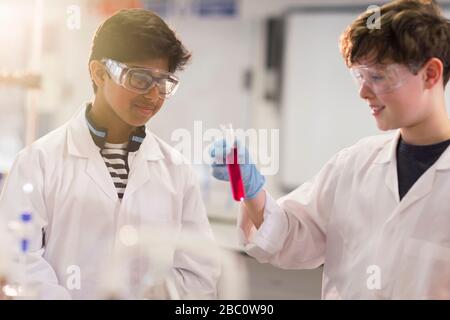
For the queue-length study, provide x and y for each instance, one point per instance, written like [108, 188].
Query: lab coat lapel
[80, 144]
[97, 170]
[391, 180]
[443, 163]
[141, 170]
[387, 159]
[420, 189]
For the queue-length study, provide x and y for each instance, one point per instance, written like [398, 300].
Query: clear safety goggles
[381, 78]
[142, 80]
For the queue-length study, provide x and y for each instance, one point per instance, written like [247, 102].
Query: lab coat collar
[422, 187]
[81, 144]
[100, 135]
[388, 152]
[443, 163]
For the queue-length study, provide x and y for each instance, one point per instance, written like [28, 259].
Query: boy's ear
[433, 72]
[98, 72]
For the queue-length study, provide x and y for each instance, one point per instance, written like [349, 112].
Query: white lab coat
[76, 203]
[349, 218]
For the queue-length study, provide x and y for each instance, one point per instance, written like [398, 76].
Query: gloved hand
[252, 179]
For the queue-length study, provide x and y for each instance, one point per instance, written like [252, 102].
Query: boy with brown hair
[378, 213]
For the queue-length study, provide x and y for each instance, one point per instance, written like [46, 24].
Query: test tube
[234, 171]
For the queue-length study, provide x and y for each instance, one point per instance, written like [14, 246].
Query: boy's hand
[252, 179]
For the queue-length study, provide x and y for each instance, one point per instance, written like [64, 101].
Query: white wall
[321, 110]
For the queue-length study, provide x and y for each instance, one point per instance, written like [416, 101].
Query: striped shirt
[115, 157]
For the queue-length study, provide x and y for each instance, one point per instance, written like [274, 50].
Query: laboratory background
[269, 66]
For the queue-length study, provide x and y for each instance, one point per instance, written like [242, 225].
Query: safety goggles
[381, 79]
[142, 80]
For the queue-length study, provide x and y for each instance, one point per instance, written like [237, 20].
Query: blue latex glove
[252, 179]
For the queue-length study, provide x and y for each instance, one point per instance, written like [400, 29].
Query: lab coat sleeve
[293, 234]
[28, 168]
[197, 269]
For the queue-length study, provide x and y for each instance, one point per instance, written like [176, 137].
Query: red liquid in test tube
[234, 171]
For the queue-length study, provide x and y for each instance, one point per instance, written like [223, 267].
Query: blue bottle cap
[25, 216]
[24, 245]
